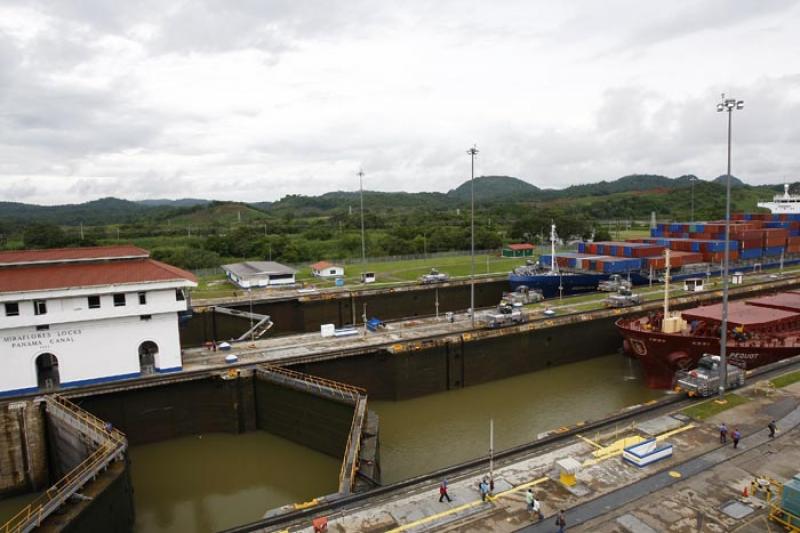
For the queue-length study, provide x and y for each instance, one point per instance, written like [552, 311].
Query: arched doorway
[47, 371]
[147, 357]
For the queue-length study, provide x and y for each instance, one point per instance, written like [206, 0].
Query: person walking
[529, 499]
[443, 491]
[561, 521]
[483, 487]
[772, 429]
[736, 435]
[536, 508]
[723, 433]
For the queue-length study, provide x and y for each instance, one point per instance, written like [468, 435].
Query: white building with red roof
[325, 269]
[78, 316]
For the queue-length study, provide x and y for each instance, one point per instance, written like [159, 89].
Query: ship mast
[552, 248]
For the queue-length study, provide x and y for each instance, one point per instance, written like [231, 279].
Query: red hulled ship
[760, 331]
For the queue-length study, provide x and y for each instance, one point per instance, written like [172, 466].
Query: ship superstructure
[783, 203]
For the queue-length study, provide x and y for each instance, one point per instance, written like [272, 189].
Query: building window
[179, 296]
[142, 298]
[39, 307]
[332, 272]
[94, 302]
[145, 317]
[12, 309]
[42, 327]
[119, 299]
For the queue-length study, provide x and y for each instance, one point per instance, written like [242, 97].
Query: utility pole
[727, 104]
[472, 153]
[361, 189]
[81, 230]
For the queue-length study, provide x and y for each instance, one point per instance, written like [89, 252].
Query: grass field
[709, 408]
[786, 379]
[216, 286]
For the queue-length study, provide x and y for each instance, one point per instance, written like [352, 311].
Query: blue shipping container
[773, 251]
[750, 253]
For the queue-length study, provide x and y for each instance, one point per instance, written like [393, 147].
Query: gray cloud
[213, 98]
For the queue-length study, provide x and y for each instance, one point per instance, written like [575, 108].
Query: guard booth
[737, 278]
[368, 277]
[693, 285]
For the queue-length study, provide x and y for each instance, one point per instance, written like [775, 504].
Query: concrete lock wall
[294, 316]
[109, 507]
[23, 448]
[441, 366]
[186, 408]
[226, 406]
[320, 423]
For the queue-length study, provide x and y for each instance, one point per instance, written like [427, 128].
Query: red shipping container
[750, 244]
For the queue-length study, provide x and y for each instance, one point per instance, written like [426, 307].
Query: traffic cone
[744, 492]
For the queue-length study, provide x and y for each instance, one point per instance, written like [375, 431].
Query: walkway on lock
[599, 506]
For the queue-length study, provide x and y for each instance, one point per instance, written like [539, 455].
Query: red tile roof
[523, 246]
[322, 264]
[71, 254]
[75, 275]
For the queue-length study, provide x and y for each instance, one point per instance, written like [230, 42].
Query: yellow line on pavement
[460, 508]
[590, 441]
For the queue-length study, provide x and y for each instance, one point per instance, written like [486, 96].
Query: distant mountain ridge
[488, 190]
[181, 202]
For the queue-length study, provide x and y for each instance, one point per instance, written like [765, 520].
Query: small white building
[324, 269]
[79, 316]
[252, 274]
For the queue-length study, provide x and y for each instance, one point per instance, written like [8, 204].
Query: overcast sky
[255, 99]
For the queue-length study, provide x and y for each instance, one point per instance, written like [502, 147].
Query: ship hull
[662, 354]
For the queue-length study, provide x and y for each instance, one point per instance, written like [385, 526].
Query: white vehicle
[523, 295]
[506, 315]
[704, 380]
[434, 277]
[623, 298]
[614, 283]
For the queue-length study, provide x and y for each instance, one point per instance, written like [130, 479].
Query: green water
[9, 507]
[439, 430]
[217, 481]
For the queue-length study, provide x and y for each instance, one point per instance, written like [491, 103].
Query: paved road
[599, 506]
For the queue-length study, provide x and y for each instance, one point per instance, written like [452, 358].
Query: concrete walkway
[630, 493]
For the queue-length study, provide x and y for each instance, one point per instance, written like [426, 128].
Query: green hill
[216, 214]
[494, 188]
[102, 211]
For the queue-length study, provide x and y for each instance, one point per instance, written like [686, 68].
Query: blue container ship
[582, 272]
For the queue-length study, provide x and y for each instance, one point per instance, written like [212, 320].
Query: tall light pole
[472, 153]
[361, 189]
[727, 104]
[692, 179]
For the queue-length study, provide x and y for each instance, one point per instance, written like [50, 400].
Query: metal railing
[111, 444]
[348, 393]
[347, 472]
